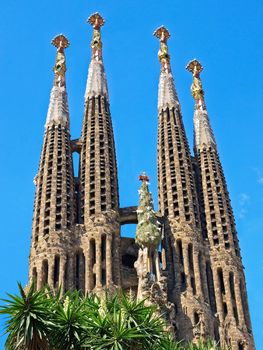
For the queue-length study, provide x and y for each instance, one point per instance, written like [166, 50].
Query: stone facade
[197, 277]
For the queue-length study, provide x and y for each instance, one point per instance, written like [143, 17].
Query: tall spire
[58, 106]
[167, 95]
[178, 204]
[203, 130]
[98, 179]
[54, 207]
[196, 68]
[219, 227]
[96, 83]
[61, 43]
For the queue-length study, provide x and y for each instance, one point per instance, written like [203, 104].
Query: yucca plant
[42, 320]
[27, 319]
[205, 345]
[67, 322]
[122, 323]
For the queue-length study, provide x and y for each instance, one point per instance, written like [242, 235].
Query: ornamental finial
[97, 21]
[61, 43]
[196, 68]
[144, 177]
[163, 35]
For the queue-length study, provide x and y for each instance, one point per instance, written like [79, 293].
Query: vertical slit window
[44, 272]
[211, 290]
[56, 271]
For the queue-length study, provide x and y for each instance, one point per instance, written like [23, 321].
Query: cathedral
[185, 257]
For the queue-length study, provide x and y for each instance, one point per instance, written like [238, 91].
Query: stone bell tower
[185, 253]
[75, 237]
[98, 185]
[54, 207]
[230, 297]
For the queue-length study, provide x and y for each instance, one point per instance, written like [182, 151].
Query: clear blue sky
[226, 36]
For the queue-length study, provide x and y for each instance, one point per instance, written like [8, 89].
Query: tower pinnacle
[196, 68]
[58, 105]
[61, 43]
[167, 96]
[97, 22]
[96, 83]
[203, 131]
[163, 35]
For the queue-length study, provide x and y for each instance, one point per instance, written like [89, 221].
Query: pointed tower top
[163, 35]
[61, 43]
[196, 68]
[58, 105]
[167, 96]
[96, 83]
[96, 21]
[203, 131]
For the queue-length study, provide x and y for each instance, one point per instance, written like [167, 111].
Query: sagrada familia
[186, 257]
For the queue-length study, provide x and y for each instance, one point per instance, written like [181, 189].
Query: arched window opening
[225, 309]
[128, 260]
[190, 257]
[221, 280]
[93, 252]
[103, 277]
[77, 272]
[153, 267]
[216, 334]
[44, 279]
[193, 285]
[180, 252]
[80, 271]
[233, 296]
[183, 282]
[196, 318]
[210, 285]
[66, 275]
[241, 345]
[56, 271]
[103, 247]
[202, 275]
[34, 275]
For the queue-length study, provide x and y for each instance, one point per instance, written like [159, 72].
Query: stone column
[187, 267]
[98, 262]
[108, 260]
[197, 275]
[50, 279]
[62, 272]
[218, 295]
[116, 260]
[39, 277]
[240, 311]
[228, 294]
[204, 278]
[71, 271]
[157, 266]
[88, 269]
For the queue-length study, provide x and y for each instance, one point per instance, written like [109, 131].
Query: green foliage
[27, 317]
[41, 320]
